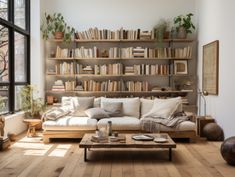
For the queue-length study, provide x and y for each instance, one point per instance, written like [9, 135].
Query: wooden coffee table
[129, 143]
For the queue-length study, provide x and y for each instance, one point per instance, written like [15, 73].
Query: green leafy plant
[160, 29]
[32, 106]
[184, 21]
[51, 24]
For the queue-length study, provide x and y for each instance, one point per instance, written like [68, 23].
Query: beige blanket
[150, 124]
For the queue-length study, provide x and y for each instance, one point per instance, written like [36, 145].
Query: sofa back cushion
[81, 104]
[147, 104]
[130, 106]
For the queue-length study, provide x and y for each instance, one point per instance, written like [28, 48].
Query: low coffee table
[129, 143]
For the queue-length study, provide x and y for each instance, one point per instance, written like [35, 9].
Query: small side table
[201, 121]
[32, 123]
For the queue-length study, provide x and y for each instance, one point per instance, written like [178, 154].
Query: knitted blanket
[150, 124]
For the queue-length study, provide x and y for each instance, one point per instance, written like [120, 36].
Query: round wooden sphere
[213, 132]
[227, 150]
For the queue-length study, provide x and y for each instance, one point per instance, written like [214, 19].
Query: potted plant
[184, 25]
[55, 25]
[161, 30]
[32, 106]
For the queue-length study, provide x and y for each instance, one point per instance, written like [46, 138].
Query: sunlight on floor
[35, 147]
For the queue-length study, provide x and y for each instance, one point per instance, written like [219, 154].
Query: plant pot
[59, 35]
[166, 35]
[181, 33]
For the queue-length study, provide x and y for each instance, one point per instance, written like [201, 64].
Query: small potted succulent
[55, 25]
[184, 25]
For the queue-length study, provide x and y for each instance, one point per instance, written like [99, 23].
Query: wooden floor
[30, 157]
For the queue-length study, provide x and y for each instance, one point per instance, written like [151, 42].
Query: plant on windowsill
[56, 26]
[33, 107]
[184, 25]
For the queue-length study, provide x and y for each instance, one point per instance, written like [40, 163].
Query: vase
[59, 35]
[181, 33]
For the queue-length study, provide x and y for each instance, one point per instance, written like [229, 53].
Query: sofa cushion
[81, 104]
[114, 109]
[145, 106]
[131, 106]
[96, 113]
[121, 123]
[70, 123]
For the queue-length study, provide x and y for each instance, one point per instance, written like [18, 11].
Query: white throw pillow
[164, 108]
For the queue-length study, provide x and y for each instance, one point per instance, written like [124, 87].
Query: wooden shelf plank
[119, 92]
[100, 58]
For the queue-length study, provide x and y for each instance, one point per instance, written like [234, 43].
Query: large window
[14, 52]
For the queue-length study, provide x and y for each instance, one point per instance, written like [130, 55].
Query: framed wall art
[210, 69]
[180, 67]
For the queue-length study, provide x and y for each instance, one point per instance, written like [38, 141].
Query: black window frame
[12, 28]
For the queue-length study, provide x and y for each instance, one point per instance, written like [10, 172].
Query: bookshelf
[131, 62]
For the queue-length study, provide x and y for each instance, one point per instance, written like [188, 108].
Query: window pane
[3, 54]
[4, 99]
[18, 98]
[20, 13]
[20, 43]
[4, 9]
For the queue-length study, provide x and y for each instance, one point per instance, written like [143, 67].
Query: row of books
[65, 68]
[64, 52]
[146, 69]
[112, 86]
[101, 34]
[69, 68]
[128, 52]
[59, 85]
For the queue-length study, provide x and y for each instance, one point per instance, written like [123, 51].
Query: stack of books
[146, 35]
[129, 70]
[139, 52]
[58, 86]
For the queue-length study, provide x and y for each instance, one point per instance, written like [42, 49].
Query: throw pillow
[164, 108]
[56, 113]
[114, 109]
[96, 113]
[81, 104]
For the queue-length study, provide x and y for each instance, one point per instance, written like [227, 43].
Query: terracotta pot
[181, 33]
[59, 35]
[166, 35]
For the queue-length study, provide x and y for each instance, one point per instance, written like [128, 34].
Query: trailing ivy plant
[184, 21]
[56, 23]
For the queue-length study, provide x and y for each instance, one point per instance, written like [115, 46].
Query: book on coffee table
[143, 137]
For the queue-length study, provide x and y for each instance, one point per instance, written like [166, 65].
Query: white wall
[37, 61]
[216, 22]
[113, 14]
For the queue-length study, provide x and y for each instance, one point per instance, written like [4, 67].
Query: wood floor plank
[30, 157]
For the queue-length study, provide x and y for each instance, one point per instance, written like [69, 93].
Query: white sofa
[133, 110]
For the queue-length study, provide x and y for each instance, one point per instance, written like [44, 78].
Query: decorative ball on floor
[227, 150]
[213, 132]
